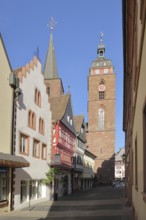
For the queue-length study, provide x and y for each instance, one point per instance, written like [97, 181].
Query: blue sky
[23, 25]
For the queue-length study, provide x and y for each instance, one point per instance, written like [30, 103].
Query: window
[101, 119]
[41, 126]
[23, 193]
[37, 97]
[82, 130]
[36, 148]
[101, 89]
[48, 91]
[31, 120]
[101, 82]
[39, 189]
[68, 118]
[24, 144]
[44, 151]
[101, 94]
[70, 121]
[105, 70]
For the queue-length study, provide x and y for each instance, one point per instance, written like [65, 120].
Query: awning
[13, 161]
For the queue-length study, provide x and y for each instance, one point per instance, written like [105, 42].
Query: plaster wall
[26, 101]
[6, 102]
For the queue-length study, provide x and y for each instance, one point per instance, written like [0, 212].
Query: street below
[101, 203]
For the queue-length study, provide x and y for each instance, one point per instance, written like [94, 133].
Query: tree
[50, 176]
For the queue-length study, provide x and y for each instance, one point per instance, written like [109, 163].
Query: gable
[68, 118]
[6, 100]
[4, 60]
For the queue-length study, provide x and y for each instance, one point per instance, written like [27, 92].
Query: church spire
[101, 47]
[50, 68]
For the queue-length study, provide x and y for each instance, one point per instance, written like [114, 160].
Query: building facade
[101, 115]
[134, 124]
[78, 159]
[63, 128]
[88, 180]
[32, 136]
[120, 164]
[8, 161]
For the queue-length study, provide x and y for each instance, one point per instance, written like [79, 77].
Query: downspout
[10, 188]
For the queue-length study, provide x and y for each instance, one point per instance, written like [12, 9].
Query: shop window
[39, 189]
[32, 189]
[23, 193]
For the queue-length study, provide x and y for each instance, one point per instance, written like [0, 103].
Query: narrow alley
[101, 203]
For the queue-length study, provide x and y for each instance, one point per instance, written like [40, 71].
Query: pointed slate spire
[50, 68]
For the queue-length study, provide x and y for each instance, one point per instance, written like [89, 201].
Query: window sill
[23, 153]
[37, 157]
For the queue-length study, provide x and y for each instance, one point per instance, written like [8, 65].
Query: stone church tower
[101, 115]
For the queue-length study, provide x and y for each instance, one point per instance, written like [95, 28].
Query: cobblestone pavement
[101, 203]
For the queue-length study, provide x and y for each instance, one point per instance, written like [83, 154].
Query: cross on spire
[101, 37]
[52, 24]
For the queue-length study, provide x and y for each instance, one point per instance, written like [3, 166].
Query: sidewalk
[101, 203]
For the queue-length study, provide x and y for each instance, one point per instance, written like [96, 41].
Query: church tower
[101, 114]
[52, 81]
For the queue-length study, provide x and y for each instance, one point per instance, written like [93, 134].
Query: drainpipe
[14, 83]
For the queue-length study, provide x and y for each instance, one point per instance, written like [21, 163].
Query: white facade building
[120, 164]
[32, 136]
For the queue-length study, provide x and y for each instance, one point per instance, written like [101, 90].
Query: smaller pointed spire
[101, 47]
[50, 68]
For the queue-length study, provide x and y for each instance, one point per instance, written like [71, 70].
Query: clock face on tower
[101, 88]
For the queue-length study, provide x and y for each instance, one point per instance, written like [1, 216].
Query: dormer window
[70, 121]
[68, 118]
[82, 129]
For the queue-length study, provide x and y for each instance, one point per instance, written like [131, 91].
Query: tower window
[101, 119]
[101, 53]
[101, 94]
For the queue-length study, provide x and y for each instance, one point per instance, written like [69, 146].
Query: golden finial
[52, 24]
